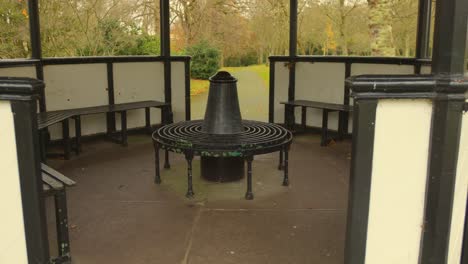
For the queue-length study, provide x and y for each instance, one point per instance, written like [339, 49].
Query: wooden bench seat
[54, 184]
[326, 109]
[47, 119]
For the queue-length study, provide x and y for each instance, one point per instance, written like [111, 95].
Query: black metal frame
[360, 180]
[23, 99]
[444, 149]
[448, 67]
[446, 87]
[424, 29]
[55, 185]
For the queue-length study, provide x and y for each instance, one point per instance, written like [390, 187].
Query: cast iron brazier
[223, 138]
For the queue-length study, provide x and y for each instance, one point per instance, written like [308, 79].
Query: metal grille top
[257, 138]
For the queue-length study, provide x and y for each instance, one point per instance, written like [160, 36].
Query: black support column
[166, 54]
[445, 89]
[289, 111]
[23, 94]
[448, 68]
[450, 38]
[423, 29]
[360, 182]
[36, 48]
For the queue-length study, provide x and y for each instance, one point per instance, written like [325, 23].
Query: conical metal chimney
[222, 115]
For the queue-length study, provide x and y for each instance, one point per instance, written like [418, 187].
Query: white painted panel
[139, 81]
[12, 234]
[28, 71]
[281, 90]
[74, 86]
[459, 204]
[426, 69]
[178, 90]
[398, 181]
[321, 82]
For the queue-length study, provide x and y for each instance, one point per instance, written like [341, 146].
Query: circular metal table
[257, 138]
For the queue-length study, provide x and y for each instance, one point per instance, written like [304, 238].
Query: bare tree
[381, 30]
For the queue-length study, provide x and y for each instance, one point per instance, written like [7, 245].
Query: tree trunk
[260, 56]
[342, 29]
[380, 28]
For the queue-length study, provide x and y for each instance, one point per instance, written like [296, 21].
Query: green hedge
[205, 60]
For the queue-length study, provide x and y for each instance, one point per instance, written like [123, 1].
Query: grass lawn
[201, 86]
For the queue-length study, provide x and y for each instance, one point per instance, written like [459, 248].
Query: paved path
[253, 97]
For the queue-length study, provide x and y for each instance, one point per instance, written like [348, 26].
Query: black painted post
[66, 138]
[36, 47]
[424, 29]
[360, 182]
[271, 101]
[343, 121]
[77, 134]
[324, 137]
[110, 117]
[123, 122]
[21, 95]
[445, 89]
[448, 68]
[166, 53]
[148, 120]
[289, 110]
[188, 109]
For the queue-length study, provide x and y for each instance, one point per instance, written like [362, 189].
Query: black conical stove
[222, 117]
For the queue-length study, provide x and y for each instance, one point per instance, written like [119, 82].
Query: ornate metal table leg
[189, 158]
[249, 194]
[286, 166]
[157, 179]
[166, 160]
[280, 165]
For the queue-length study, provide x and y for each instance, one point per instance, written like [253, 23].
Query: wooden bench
[54, 184]
[47, 119]
[326, 109]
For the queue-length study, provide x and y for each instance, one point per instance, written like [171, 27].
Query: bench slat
[137, 105]
[47, 119]
[57, 175]
[320, 105]
[117, 107]
[53, 183]
[45, 187]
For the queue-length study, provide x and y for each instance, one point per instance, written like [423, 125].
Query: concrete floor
[117, 215]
